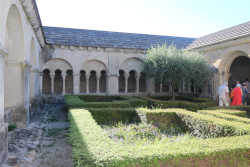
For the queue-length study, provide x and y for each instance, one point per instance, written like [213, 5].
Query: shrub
[12, 127]
[135, 102]
[114, 115]
[75, 101]
[98, 98]
[191, 104]
[206, 126]
[224, 115]
[241, 108]
[161, 118]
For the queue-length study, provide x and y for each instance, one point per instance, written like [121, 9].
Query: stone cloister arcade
[58, 77]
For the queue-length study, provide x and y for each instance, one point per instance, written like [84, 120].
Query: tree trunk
[173, 95]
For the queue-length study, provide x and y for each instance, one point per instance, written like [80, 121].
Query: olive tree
[170, 65]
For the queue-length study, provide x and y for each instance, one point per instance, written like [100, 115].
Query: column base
[3, 143]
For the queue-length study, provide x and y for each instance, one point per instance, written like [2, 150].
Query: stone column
[150, 86]
[161, 87]
[98, 83]
[170, 87]
[3, 53]
[52, 76]
[126, 82]
[3, 126]
[26, 70]
[41, 83]
[113, 82]
[76, 82]
[137, 82]
[87, 82]
[189, 88]
[180, 88]
[183, 86]
[64, 77]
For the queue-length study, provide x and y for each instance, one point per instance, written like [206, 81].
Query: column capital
[98, 76]
[126, 76]
[138, 76]
[87, 76]
[63, 75]
[52, 74]
[3, 52]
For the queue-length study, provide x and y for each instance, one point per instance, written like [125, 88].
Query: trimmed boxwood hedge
[188, 103]
[225, 115]
[238, 113]
[161, 118]
[114, 115]
[240, 107]
[92, 147]
[98, 101]
[206, 126]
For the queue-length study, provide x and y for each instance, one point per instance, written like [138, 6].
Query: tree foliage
[169, 65]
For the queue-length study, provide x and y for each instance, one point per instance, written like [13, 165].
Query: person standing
[223, 95]
[237, 100]
[245, 92]
[248, 84]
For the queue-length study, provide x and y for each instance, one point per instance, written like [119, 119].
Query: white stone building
[38, 61]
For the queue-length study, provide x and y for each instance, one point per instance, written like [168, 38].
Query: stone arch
[228, 59]
[15, 87]
[142, 82]
[57, 64]
[239, 70]
[58, 82]
[46, 89]
[5, 8]
[132, 81]
[93, 65]
[121, 81]
[103, 81]
[69, 82]
[132, 64]
[92, 81]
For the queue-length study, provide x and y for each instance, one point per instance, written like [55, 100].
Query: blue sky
[187, 18]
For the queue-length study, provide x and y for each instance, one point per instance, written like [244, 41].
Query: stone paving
[22, 145]
[35, 146]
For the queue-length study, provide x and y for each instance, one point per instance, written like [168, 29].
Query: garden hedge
[190, 103]
[161, 118]
[226, 114]
[237, 107]
[207, 126]
[92, 147]
[98, 101]
[114, 115]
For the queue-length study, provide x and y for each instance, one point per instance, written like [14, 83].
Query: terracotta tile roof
[93, 38]
[231, 33]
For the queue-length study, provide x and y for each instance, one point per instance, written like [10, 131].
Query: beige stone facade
[31, 68]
